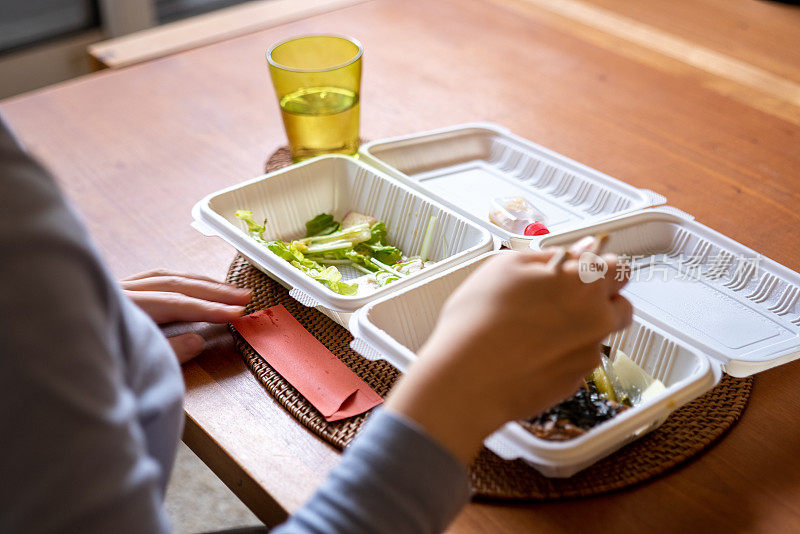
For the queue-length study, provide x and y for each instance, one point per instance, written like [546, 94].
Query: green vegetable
[384, 278]
[384, 253]
[376, 245]
[341, 239]
[326, 249]
[602, 383]
[378, 233]
[327, 244]
[256, 230]
[322, 224]
[387, 268]
[426, 241]
[331, 277]
[286, 251]
[362, 260]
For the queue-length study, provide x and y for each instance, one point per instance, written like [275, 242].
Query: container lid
[716, 295]
[471, 166]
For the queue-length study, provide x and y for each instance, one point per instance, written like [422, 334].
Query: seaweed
[587, 408]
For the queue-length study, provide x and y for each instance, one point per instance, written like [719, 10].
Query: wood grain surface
[136, 148]
[205, 29]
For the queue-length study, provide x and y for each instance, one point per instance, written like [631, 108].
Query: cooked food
[359, 241]
[612, 388]
[574, 416]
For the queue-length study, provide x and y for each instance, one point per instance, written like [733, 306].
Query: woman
[91, 406]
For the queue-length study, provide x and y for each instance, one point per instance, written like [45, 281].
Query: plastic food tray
[712, 306]
[455, 172]
[289, 197]
[465, 167]
[740, 313]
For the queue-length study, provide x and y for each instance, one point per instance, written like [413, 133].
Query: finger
[582, 245]
[510, 259]
[616, 273]
[619, 273]
[621, 312]
[590, 270]
[557, 260]
[192, 287]
[540, 256]
[585, 359]
[166, 272]
[187, 346]
[569, 269]
[165, 307]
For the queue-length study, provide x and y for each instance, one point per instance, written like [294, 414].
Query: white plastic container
[454, 172]
[466, 167]
[289, 197]
[685, 333]
[740, 318]
[714, 294]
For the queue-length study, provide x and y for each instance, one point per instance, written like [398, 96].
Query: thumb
[538, 256]
[187, 346]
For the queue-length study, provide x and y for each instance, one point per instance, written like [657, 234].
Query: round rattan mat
[686, 432]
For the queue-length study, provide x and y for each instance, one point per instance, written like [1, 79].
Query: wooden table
[698, 100]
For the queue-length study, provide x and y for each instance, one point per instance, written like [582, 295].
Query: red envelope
[322, 378]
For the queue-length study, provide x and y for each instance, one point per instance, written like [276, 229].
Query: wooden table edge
[235, 477]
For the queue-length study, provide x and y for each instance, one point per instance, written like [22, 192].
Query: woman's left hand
[171, 297]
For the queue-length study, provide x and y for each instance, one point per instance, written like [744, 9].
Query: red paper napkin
[322, 378]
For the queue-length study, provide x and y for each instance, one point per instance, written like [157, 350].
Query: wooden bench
[205, 29]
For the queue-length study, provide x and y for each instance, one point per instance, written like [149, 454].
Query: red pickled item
[536, 228]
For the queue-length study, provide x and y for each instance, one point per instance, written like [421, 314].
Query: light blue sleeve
[90, 399]
[90, 394]
[393, 479]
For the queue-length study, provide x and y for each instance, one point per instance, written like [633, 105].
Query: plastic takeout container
[466, 167]
[716, 295]
[740, 317]
[335, 184]
[453, 173]
[740, 314]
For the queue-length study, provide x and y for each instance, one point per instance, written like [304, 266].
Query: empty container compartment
[467, 167]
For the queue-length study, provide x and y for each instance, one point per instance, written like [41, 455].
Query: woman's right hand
[514, 339]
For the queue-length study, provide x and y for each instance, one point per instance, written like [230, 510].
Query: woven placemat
[282, 157]
[686, 432]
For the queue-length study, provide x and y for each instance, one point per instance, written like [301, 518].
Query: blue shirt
[91, 398]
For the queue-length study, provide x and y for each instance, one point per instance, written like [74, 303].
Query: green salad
[358, 241]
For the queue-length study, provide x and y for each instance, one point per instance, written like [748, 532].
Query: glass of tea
[317, 80]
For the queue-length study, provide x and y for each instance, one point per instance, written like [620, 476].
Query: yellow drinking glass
[317, 79]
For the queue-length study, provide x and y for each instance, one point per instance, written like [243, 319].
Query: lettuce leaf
[286, 251]
[361, 259]
[255, 230]
[346, 238]
[377, 233]
[330, 276]
[375, 246]
[383, 278]
[383, 253]
[322, 224]
[327, 241]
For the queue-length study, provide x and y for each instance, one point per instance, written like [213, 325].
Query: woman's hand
[169, 297]
[514, 339]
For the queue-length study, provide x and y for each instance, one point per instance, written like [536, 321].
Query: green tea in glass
[317, 80]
